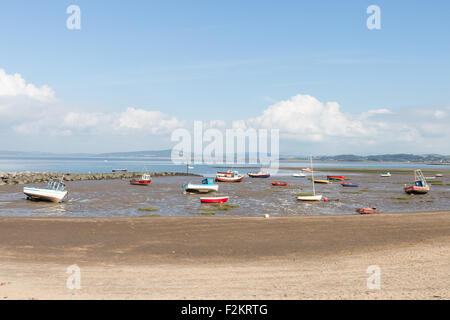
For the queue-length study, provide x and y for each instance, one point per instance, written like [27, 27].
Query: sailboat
[314, 197]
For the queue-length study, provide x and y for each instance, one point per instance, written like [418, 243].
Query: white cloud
[13, 85]
[148, 120]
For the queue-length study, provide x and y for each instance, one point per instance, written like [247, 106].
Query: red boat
[236, 178]
[229, 173]
[259, 175]
[279, 183]
[420, 185]
[145, 180]
[214, 199]
[340, 178]
[367, 210]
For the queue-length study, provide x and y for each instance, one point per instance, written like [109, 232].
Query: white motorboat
[387, 174]
[54, 192]
[312, 197]
[299, 175]
[206, 186]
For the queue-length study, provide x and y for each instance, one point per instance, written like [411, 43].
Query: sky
[138, 70]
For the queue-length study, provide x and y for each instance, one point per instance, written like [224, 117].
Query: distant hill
[138, 154]
[401, 157]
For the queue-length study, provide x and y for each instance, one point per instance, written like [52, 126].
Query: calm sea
[102, 165]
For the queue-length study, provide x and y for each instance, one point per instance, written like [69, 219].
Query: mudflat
[227, 257]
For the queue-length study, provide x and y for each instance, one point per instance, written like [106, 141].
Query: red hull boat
[366, 210]
[239, 178]
[279, 183]
[340, 178]
[145, 180]
[259, 175]
[214, 199]
[420, 185]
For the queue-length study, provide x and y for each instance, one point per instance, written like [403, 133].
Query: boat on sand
[312, 197]
[206, 186]
[321, 181]
[337, 178]
[366, 210]
[420, 185]
[260, 174]
[222, 199]
[234, 177]
[387, 174]
[299, 175]
[145, 180]
[279, 183]
[349, 184]
[54, 192]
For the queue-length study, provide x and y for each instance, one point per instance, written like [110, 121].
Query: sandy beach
[317, 257]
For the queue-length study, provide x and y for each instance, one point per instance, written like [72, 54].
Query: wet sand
[323, 257]
[253, 197]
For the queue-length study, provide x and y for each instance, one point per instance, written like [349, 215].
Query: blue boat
[349, 184]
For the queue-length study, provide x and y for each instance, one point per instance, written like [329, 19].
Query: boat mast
[312, 175]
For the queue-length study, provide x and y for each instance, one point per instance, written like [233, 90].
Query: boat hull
[229, 179]
[366, 210]
[298, 175]
[258, 175]
[321, 181]
[338, 178]
[139, 182]
[279, 183]
[310, 198]
[349, 185]
[43, 194]
[417, 190]
[214, 199]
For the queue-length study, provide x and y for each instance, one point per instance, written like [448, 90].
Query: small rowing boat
[366, 210]
[279, 183]
[337, 178]
[321, 181]
[349, 184]
[260, 174]
[145, 180]
[214, 199]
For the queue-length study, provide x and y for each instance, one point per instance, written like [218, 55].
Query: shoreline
[227, 258]
[21, 178]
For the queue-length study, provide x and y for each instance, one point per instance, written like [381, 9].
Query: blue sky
[230, 60]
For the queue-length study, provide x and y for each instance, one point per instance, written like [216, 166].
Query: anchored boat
[349, 184]
[279, 183]
[214, 199]
[387, 174]
[313, 197]
[337, 178]
[206, 186]
[233, 177]
[299, 175]
[366, 210]
[259, 174]
[145, 180]
[54, 192]
[420, 185]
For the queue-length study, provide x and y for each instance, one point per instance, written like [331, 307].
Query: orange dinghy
[279, 183]
[214, 199]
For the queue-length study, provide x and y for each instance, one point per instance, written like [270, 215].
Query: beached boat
[312, 197]
[206, 186]
[54, 192]
[349, 184]
[234, 177]
[387, 174]
[439, 175]
[306, 169]
[214, 199]
[279, 183]
[337, 178]
[119, 170]
[366, 210]
[321, 181]
[420, 185]
[259, 174]
[299, 175]
[145, 180]
[228, 173]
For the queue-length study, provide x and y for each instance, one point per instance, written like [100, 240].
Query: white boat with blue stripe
[54, 192]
